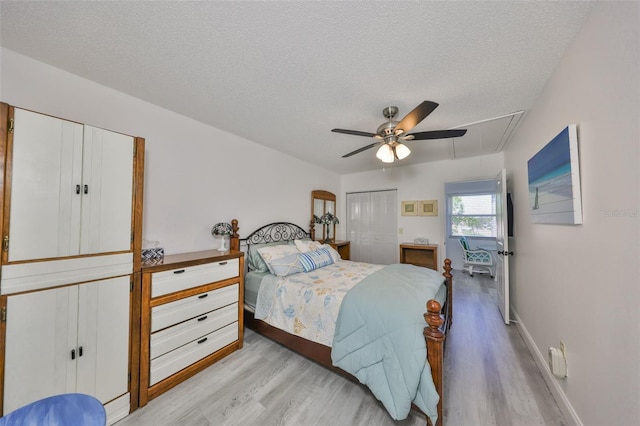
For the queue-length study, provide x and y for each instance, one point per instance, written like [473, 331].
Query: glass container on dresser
[71, 228]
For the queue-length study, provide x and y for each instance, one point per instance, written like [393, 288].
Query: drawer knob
[178, 272]
[202, 296]
[202, 318]
[222, 263]
[202, 340]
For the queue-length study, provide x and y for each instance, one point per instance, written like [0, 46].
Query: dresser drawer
[173, 337]
[174, 361]
[166, 315]
[193, 276]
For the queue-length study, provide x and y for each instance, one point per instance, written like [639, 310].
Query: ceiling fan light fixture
[385, 153]
[402, 151]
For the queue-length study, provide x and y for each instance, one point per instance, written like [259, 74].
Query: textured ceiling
[283, 74]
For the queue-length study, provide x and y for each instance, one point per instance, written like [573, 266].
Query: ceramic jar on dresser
[191, 316]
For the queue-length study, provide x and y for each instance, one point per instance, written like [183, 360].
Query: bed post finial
[235, 238]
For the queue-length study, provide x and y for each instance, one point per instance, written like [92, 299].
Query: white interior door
[372, 219]
[41, 333]
[103, 335]
[502, 245]
[107, 177]
[46, 169]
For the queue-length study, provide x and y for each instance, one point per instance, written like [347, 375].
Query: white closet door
[103, 335]
[384, 241]
[46, 167]
[41, 333]
[358, 224]
[372, 226]
[107, 181]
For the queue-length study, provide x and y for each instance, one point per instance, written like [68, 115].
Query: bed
[284, 263]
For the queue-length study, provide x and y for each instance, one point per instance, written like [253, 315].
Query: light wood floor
[490, 379]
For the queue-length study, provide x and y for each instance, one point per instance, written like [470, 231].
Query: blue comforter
[379, 339]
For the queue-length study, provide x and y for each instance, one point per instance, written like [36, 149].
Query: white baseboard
[565, 406]
[118, 409]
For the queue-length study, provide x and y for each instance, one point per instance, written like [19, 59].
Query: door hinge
[3, 315]
[132, 236]
[131, 284]
[129, 378]
[11, 122]
[5, 243]
[135, 149]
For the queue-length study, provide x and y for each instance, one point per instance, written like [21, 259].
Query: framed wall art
[554, 181]
[428, 208]
[409, 208]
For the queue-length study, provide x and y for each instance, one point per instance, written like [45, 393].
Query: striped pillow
[312, 260]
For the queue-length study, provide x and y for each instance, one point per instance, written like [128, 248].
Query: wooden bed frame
[438, 318]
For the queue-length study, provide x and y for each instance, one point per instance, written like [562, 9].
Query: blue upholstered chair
[479, 260]
[71, 409]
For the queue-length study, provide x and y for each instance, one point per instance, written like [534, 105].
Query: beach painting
[554, 181]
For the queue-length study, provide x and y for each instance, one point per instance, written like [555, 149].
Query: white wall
[580, 284]
[421, 182]
[195, 175]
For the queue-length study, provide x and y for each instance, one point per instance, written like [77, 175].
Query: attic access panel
[486, 136]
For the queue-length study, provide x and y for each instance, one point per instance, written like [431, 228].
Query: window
[472, 215]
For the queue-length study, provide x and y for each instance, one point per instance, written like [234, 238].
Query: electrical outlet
[400, 230]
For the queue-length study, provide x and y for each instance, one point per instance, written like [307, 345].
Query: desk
[425, 255]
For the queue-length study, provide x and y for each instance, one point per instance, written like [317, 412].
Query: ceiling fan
[391, 134]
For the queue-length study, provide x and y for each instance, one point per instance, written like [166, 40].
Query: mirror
[322, 202]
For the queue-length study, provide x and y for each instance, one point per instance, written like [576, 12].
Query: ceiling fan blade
[354, 132]
[412, 119]
[364, 148]
[439, 134]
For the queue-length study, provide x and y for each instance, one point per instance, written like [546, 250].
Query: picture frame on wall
[428, 208]
[554, 181]
[409, 208]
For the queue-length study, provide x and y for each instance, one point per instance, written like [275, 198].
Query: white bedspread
[307, 304]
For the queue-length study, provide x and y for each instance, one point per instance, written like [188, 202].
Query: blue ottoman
[71, 409]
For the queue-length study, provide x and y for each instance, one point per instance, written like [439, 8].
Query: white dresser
[191, 316]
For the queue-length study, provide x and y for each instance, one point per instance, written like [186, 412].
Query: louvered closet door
[46, 163]
[107, 181]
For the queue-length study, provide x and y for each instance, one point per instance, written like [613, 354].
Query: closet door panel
[103, 335]
[107, 181]
[40, 334]
[386, 225]
[372, 226]
[358, 220]
[46, 163]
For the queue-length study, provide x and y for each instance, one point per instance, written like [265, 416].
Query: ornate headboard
[274, 232]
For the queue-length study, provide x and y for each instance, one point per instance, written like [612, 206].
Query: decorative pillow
[255, 261]
[312, 260]
[286, 266]
[271, 253]
[333, 252]
[307, 245]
